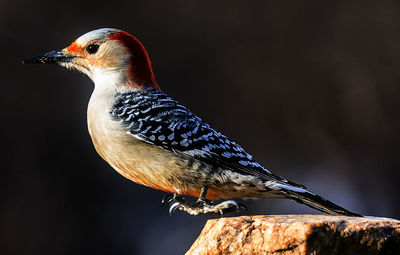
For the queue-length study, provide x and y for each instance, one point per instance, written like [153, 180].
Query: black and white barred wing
[157, 119]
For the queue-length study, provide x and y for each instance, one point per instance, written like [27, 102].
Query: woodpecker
[153, 140]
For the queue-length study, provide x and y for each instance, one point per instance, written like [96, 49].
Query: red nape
[140, 70]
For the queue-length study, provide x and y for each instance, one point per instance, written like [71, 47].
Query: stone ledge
[298, 234]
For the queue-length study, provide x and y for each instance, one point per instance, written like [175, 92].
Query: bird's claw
[200, 206]
[173, 207]
[166, 200]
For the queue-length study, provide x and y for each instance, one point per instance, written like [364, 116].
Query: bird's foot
[200, 206]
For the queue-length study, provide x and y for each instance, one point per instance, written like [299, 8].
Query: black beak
[48, 58]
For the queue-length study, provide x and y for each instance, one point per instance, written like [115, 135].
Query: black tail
[317, 202]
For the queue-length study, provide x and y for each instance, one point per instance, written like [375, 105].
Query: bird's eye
[92, 48]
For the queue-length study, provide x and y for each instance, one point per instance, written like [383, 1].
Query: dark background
[310, 88]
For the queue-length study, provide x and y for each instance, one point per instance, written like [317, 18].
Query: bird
[153, 140]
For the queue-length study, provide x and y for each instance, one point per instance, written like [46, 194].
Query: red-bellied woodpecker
[153, 140]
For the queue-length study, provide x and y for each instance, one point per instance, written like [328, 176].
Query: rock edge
[298, 234]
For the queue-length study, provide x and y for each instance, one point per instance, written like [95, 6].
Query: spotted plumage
[158, 119]
[154, 117]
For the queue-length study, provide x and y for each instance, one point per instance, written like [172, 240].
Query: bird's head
[105, 55]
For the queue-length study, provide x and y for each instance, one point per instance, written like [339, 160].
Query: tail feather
[317, 202]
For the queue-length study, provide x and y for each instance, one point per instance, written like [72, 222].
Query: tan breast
[135, 159]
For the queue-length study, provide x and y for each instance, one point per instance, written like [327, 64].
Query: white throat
[108, 80]
[106, 84]
[107, 77]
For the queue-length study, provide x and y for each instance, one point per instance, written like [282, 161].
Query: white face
[95, 54]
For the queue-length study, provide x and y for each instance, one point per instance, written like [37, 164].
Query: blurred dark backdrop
[310, 88]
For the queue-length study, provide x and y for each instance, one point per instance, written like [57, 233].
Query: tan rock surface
[298, 234]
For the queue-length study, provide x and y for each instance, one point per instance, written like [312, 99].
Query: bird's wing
[154, 117]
